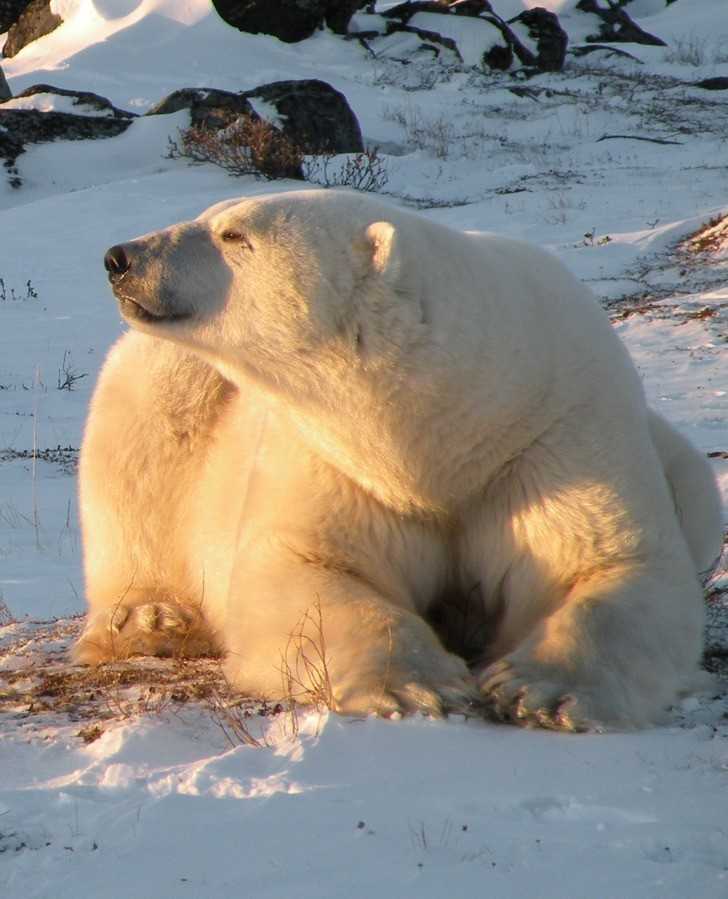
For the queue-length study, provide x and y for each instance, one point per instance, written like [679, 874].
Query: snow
[45, 102]
[117, 786]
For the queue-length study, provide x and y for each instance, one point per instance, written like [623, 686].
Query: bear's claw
[510, 696]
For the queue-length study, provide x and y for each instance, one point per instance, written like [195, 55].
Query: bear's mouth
[133, 310]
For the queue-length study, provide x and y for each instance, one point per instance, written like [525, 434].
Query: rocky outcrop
[93, 117]
[35, 21]
[5, 93]
[533, 39]
[541, 29]
[10, 11]
[209, 108]
[719, 83]
[614, 26]
[311, 113]
[288, 20]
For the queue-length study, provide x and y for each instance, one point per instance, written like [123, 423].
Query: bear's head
[271, 288]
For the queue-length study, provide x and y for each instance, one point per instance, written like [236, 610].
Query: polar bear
[357, 452]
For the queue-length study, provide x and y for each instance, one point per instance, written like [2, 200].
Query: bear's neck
[420, 445]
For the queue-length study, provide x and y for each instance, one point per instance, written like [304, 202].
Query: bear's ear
[382, 249]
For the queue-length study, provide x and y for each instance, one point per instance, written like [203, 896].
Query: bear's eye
[230, 234]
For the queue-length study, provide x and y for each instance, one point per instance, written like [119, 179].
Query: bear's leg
[602, 613]
[694, 491]
[309, 629]
[140, 625]
[614, 654]
[142, 454]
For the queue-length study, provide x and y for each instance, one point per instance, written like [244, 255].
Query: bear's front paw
[151, 628]
[532, 695]
[401, 695]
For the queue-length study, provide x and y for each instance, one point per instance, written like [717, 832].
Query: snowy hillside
[141, 780]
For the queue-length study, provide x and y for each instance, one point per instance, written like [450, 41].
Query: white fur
[368, 422]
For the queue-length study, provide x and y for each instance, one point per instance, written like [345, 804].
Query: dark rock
[10, 11]
[500, 57]
[609, 52]
[470, 7]
[313, 115]
[35, 21]
[403, 12]
[551, 39]
[615, 26]
[310, 113]
[288, 20]
[540, 25]
[81, 98]
[5, 93]
[209, 108]
[31, 126]
[720, 83]
[339, 13]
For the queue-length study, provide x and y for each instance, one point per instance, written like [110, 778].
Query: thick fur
[336, 426]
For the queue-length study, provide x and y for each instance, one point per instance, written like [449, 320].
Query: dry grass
[712, 237]
[305, 677]
[6, 616]
[255, 147]
[37, 680]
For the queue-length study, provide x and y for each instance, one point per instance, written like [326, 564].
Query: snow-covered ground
[140, 782]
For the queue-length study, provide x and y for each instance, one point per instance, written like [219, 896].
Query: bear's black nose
[116, 261]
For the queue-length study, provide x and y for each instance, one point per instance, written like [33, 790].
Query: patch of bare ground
[712, 237]
[38, 682]
[685, 283]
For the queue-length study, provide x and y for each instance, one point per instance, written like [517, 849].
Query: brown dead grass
[712, 237]
[37, 681]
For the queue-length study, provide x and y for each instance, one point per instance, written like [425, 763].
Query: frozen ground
[141, 781]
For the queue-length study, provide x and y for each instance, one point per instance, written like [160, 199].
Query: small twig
[651, 140]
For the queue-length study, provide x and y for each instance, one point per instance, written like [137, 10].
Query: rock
[35, 21]
[339, 13]
[5, 93]
[719, 83]
[10, 11]
[95, 102]
[486, 40]
[312, 114]
[542, 28]
[403, 12]
[288, 20]
[608, 51]
[615, 26]
[19, 126]
[209, 108]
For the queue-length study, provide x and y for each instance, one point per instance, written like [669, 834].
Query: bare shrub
[255, 147]
[304, 667]
[432, 134]
[6, 616]
[365, 171]
[68, 375]
[246, 147]
[9, 293]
